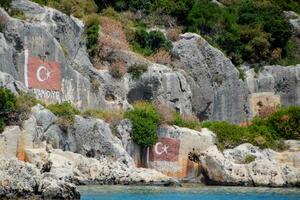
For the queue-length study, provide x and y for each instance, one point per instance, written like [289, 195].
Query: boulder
[93, 138]
[249, 165]
[218, 93]
[57, 189]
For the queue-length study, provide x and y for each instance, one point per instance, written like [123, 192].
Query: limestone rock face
[162, 84]
[265, 168]
[48, 36]
[282, 81]
[93, 138]
[218, 93]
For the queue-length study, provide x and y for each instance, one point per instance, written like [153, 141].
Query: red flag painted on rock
[40, 74]
[166, 149]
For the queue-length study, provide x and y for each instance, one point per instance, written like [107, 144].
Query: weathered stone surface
[283, 81]
[18, 178]
[57, 189]
[164, 85]
[218, 93]
[43, 37]
[263, 102]
[93, 138]
[8, 82]
[180, 142]
[75, 168]
[9, 142]
[233, 167]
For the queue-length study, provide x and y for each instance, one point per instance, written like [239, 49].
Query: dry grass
[161, 57]
[167, 114]
[118, 69]
[112, 117]
[173, 34]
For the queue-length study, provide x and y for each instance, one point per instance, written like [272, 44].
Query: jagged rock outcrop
[251, 166]
[218, 93]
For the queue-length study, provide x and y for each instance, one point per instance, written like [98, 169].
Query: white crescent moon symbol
[38, 73]
[156, 149]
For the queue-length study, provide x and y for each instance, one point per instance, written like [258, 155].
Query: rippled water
[189, 192]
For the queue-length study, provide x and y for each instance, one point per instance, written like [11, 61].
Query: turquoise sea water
[187, 193]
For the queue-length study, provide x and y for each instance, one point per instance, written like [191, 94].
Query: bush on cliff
[145, 120]
[149, 43]
[15, 109]
[92, 32]
[66, 113]
[7, 106]
[286, 122]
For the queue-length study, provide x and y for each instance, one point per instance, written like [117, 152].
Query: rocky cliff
[46, 54]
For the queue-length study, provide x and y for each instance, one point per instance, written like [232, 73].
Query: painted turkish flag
[41, 74]
[166, 149]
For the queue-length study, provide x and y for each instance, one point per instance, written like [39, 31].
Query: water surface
[188, 192]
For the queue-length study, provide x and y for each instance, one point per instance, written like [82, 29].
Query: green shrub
[249, 159]
[7, 102]
[149, 43]
[2, 125]
[22, 109]
[285, 122]
[137, 70]
[145, 120]
[92, 34]
[66, 113]
[229, 135]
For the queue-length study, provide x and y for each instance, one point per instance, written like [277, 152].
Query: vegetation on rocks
[137, 70]
[148, 43]
[5, 4]
[15, 109]
[249, 159]
[66, 113]
[265, 132]
[145, 120]
[7, 105]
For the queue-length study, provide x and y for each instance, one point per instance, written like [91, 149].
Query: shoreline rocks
[247, 165]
